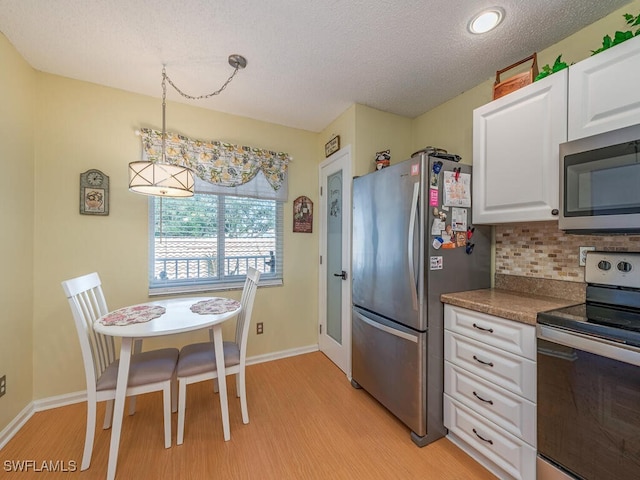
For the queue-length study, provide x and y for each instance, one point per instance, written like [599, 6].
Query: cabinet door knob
[555, 212]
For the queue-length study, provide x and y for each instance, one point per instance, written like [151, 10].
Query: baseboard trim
[15, 425]
[281, 354]
[76, 397]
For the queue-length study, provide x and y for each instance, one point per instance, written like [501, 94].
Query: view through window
[208, 241]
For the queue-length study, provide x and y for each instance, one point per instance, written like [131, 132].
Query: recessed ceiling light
[486, 20]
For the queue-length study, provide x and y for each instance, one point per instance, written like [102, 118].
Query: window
[207, 242]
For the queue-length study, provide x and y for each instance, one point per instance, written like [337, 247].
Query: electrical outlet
[3, 385]
[583, 255]
[259, 328]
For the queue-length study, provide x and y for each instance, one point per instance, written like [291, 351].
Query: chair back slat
[87, 304]
[244, 317]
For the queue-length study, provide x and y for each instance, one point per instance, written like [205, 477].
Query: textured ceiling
[308, 61]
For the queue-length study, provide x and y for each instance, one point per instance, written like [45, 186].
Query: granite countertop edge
[513, 305]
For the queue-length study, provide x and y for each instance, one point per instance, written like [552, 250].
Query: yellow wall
[450, 125]
[17, 90]
[368, 131]
[82, 126]
[580, 45]
[345, 127]
[377, 131]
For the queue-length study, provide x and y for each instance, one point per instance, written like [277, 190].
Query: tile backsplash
[540, 250]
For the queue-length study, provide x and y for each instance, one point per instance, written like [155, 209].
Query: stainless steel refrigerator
[413, 239]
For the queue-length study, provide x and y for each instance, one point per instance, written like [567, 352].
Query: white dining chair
[149, 372]
[197, 361]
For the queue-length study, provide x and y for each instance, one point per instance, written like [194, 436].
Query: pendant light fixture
[161, 178]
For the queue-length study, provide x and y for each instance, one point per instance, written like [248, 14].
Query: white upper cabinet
[604, 91]
[515, 153]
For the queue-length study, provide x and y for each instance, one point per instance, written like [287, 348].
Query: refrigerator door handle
[412, 229]
[389, 330]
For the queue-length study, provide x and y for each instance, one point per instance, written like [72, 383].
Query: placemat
[215, 306]
[130, 315]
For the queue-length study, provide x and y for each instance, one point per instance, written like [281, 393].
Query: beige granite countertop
[521, 307]
[518, 298]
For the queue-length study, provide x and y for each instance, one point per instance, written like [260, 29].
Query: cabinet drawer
[509, 335]
[515, 373]
[507, 451]
[508, 410]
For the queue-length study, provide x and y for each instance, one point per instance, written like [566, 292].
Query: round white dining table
[178, 318]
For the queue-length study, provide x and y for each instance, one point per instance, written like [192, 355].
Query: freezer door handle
[342, 275]
[412, 230]
[389, 330]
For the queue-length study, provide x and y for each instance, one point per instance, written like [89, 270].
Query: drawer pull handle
[490, 330]
[490, 402]
[490, 442]
[482, 361]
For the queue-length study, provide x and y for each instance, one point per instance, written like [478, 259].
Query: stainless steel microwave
[600, 183]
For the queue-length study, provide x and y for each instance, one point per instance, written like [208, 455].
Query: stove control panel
[620, 269]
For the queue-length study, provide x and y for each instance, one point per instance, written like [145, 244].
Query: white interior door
[335, 259]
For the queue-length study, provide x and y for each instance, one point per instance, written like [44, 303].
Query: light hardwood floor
[306, 422]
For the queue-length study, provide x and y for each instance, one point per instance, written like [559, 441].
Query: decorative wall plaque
[303, 215]
[332, 146]
[94, 193]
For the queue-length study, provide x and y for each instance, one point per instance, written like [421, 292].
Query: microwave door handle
[410, 244]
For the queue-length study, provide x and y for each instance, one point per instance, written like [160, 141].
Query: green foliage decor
[547, 70]
[607, 42]
[619, 37]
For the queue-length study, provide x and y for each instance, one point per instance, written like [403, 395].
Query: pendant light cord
[164, 108]
[201, 97]
[236, 61]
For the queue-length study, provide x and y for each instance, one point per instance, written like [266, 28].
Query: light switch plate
[583, 255]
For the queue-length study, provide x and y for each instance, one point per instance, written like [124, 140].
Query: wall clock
[94, 193]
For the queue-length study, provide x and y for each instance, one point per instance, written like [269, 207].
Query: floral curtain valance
[215, 162]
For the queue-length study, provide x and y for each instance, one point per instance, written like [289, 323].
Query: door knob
[342, 275]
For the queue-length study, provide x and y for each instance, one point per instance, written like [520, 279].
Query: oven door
[588, 406]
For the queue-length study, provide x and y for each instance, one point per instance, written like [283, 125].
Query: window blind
[208, 241]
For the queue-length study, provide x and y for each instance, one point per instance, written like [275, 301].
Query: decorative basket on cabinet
[501, 88]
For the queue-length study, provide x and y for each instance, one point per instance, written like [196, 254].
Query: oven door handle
[597, 346]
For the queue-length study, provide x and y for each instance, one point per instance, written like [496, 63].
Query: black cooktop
[612, 323]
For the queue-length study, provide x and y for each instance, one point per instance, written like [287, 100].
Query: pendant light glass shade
[161, 179]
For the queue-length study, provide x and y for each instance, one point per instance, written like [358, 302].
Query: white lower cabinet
[516, 457]
[506, 409]
[490, 391]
